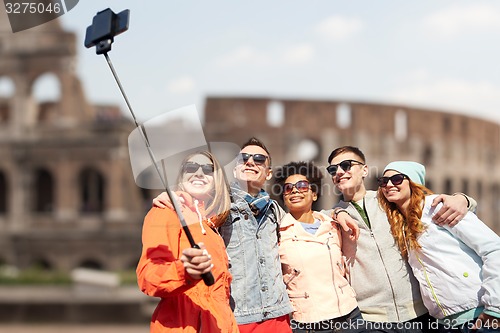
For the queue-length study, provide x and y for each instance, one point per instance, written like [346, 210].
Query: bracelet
[338, 211]
[466, 198]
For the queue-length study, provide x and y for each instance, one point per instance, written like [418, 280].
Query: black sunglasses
[396, 179]
[257, 158]
[192, 167]
[301, 186]
[345, 165]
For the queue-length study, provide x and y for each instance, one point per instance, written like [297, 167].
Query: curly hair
[406, 230]
[312, 173]
[218, 206]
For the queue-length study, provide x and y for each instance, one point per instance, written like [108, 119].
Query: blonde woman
[170, 269]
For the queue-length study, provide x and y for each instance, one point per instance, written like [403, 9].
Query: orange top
[186, 305]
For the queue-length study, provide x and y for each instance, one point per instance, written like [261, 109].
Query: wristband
[338, 211]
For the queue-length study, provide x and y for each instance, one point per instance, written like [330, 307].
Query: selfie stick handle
[208, 278]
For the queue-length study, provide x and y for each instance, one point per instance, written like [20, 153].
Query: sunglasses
[345, 165]
[301, 186]
[257, 158]
[192, 167]
[396, 179]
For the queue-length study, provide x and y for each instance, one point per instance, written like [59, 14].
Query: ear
[315, 196]
[269, 174]
[234, 173]
[365, 171]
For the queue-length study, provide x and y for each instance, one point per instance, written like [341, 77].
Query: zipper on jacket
[304, 295]
[295, 272]
[436, 300]
[387, 274]
[342, 269]
[332, 267]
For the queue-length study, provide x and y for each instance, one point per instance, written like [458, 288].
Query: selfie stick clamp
[105, 26]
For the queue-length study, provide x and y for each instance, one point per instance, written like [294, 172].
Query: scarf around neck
[257, 204]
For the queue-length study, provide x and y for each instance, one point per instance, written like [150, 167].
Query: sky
[443, 55]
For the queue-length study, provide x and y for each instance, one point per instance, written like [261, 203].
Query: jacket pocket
[342, 267]
[347, 289]
[230, 234]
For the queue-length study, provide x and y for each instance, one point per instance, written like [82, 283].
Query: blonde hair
[218, 206]
[406, 230]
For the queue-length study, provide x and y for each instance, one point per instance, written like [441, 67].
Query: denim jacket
[258, 292]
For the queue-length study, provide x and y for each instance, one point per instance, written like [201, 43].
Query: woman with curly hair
[311, 257]
[457, 267]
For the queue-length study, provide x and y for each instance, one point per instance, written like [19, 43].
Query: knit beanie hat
[415, 171]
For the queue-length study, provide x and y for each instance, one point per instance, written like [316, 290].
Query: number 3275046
[32, 7]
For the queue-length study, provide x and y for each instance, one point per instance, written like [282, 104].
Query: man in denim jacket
[258, 294]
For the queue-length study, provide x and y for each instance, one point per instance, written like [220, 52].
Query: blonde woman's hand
[197, 261]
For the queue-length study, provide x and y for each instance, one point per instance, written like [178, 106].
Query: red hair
[406, 230]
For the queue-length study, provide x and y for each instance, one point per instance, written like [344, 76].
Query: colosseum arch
[90, 263]
[132, 264]
[448, 185]
[429, 183]
[495, 195]
[42, 263]
[308, 149]
[7, 87]
[147, 197]
[92, 190]
[7, 91]
[46, 90]
[465, 188]
[479, 189]
[343, 115]
[4, 192]
[43, 191]
[401, 125]
[275, 113]
[428, 155]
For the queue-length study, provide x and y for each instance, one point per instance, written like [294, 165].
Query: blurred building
[67, 194]
[461, 154]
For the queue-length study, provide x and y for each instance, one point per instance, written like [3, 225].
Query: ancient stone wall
[67, 194]
[461, 153]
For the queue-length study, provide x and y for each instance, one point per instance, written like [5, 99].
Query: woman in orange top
[170, 269]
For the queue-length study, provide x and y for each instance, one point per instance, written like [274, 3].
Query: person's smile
[296, 198]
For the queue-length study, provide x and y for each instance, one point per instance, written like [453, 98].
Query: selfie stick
[105, 26]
